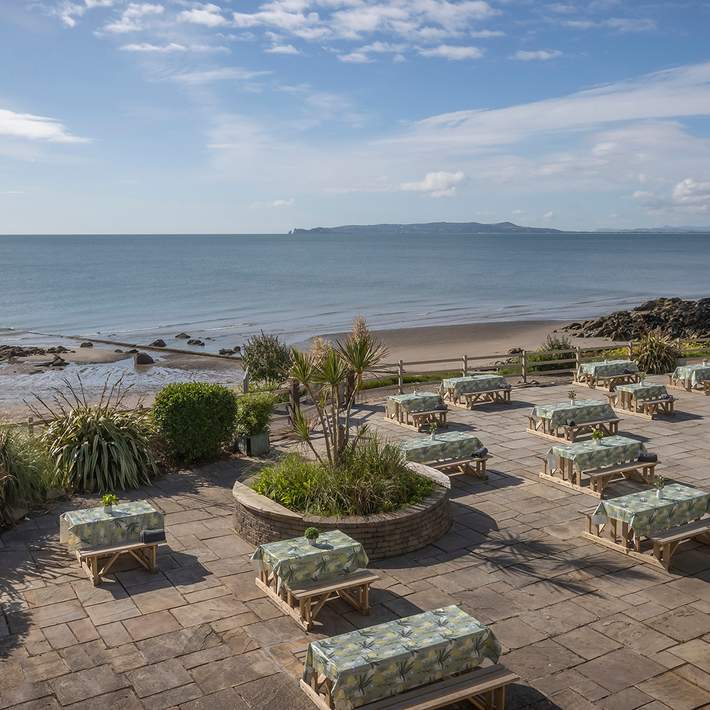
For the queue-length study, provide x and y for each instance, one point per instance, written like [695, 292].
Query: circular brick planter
[258, 519]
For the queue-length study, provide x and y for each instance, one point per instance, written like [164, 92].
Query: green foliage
[108, 499]
[556, 342]
[266, 358]
[659, 481]
[25, 472]
[311, 533]
[196, 419]
[254, 412]
[656, 354]
[388, 381]
[597, 435]
[372, 478]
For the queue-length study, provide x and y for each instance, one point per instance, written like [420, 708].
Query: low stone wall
[258, 519]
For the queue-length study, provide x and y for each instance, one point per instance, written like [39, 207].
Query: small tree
[266, 358]
[324, 375]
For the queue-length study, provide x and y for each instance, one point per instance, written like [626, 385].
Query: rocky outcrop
[182, 336]
[142, 359]
[195, 341]
[86, 344]
[159, 343]
[674, 317]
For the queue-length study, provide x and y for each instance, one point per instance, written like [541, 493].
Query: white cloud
[207, 76]
[356, 58]
[487, 34]
[622, 24]
[132, 16]
[208, 15]
[452, 53]
[282, 49]
[148, 48]
[692, 195]
[539, 55]
[274, 204]
[548, 216]
[36, 128]
[436, 184]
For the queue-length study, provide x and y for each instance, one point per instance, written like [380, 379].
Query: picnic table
[468, 390]
[449, 450]
[674, 512]
[567, 420]
[301, 576]
[416, 409]
[607, 372]
[690, 377]
[363, 666]
[589, 466]
[100, 536]
[646, 399]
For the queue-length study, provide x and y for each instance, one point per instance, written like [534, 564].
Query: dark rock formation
[195, 341]
[182, 336]
[86, 344]
[159, 343]
[12, 351]
[226, 351]
[673, 317]
[142, 359]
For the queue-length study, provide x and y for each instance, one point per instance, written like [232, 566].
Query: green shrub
[266, 358]
[254, 412]
[656, 354]
[25, 472]
[372, 478]
[195, 419]
[556, 342]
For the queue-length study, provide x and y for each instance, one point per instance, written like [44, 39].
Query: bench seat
[145, 553]
[666, 542]
[484, 688]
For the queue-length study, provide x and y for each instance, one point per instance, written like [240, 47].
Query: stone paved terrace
[584, 626]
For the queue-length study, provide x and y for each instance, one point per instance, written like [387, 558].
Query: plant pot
[313, 541]
[658, 492]
[108, 508]
[256, 445]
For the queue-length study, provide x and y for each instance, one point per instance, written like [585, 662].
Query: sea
[226, 288]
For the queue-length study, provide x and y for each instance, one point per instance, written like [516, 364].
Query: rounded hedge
[196, 419]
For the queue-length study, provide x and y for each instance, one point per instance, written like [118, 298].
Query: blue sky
[235, 116]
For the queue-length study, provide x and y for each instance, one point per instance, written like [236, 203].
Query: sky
[233, 116]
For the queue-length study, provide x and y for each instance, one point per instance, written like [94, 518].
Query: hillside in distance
[431, 228]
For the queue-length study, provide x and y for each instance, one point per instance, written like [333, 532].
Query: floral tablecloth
[588, 455]
[388, 659]
[471, 384]
[94, 528]
[583, 410]
[297, 562]
[646, 513]
[692, 375]
[608, 368]
[444, 446]
[414, 402]
[644, 390]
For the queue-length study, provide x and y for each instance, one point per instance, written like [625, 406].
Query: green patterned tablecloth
[608, 368]
[693, 375]
[388, 659]
[444, 446]
[588, 455]
[414, 402]
[473, 383]
[94, 528]
[297, 562]
[644, 390]
[645, 513]
[583, 410]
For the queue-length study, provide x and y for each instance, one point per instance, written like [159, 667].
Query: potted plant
[252, 422]
[311, 534]
[597, 436]
[659, 482]
[432, 430]
[572, 396]
[109, 500]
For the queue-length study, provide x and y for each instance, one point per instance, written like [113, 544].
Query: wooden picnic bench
[570, 432]
[647, 408]
[98, 563]
[304, 603]
[485, 688]
[420, 419]
[475, 466]
[598, 478]
[468, 400]
[607, 381]
[682, 384]
[706, 387]
[665, 543]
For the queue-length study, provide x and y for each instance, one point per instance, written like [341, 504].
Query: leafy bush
[195, 419]
[25, 471]
[556, 342]
[372, 478]
[254, 412]
[266, 358]
[656, 354]
[97, 447]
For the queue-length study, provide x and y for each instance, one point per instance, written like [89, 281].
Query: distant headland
[430, 228]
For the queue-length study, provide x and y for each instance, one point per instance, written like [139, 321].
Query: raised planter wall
[258, 519]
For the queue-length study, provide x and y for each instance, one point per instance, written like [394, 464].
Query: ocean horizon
[227, 287]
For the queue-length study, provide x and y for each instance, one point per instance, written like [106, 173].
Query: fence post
[465, 365]
[30, 425]
[245, 382]
[630, 349]
[577, 359]
[400, 376]
[524, 365]
[295, 395]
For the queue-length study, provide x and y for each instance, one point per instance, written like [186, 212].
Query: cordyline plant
[332, 376]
